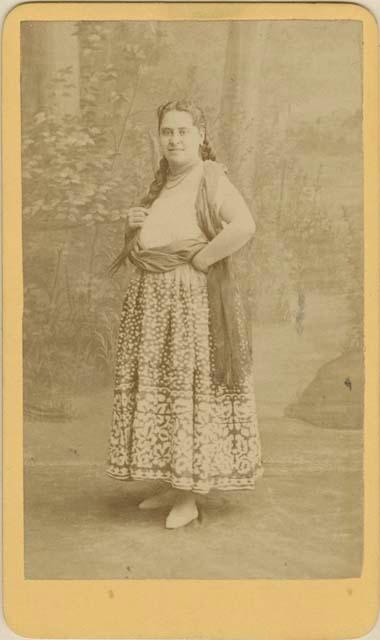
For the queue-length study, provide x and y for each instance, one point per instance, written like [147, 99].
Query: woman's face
[179, 138]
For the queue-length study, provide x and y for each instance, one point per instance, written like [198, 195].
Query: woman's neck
[178, 170]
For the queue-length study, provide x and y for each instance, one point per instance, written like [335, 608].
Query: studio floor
[303, 520]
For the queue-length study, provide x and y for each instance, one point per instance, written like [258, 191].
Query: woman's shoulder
[215, 175]
[219, 185]
[213, 168]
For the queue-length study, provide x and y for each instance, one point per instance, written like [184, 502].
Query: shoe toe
[174, 521]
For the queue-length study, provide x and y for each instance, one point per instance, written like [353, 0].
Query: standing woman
[184, 407]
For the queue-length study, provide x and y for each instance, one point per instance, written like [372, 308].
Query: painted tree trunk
[240, 113]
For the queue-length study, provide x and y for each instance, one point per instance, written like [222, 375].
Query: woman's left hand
[199, 263]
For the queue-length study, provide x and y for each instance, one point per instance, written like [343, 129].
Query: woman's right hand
[135, 217]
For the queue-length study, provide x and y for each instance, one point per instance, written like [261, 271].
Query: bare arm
[239, 229]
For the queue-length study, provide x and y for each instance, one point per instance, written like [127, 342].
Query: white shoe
[181, 515]
[161, 499]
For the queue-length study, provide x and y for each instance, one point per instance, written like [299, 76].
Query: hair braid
[207, 151]
[157, 184]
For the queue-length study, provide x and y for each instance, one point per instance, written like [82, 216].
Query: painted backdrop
[283, 103]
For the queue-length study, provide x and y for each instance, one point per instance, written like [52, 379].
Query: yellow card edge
[268, 609]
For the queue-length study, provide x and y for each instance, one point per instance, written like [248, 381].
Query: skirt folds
[170, 420]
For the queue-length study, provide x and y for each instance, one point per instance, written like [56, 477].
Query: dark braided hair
[157, 184]
[160, 177]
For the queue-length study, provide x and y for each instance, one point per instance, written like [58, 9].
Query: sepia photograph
[193, 295]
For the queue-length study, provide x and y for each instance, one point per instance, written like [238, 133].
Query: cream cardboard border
[268, 609]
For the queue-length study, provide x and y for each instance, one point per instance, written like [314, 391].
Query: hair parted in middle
[206, 150]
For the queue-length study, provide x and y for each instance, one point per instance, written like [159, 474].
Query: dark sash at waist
[166, 257]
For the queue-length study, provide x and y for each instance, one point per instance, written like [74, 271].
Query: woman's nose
[174, 136]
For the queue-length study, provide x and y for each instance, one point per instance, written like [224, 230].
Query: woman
[184, 407]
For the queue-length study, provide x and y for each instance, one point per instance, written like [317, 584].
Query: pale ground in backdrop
[303, 520]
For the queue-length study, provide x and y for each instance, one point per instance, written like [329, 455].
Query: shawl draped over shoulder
[229, 323]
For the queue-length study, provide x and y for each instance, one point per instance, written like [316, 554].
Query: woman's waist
[183, 274]
[159, 258]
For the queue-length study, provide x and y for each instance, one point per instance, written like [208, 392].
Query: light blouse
[172, 216]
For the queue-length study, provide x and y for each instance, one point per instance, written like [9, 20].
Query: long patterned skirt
[170, 421]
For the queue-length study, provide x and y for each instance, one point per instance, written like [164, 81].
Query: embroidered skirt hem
[221, 484]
